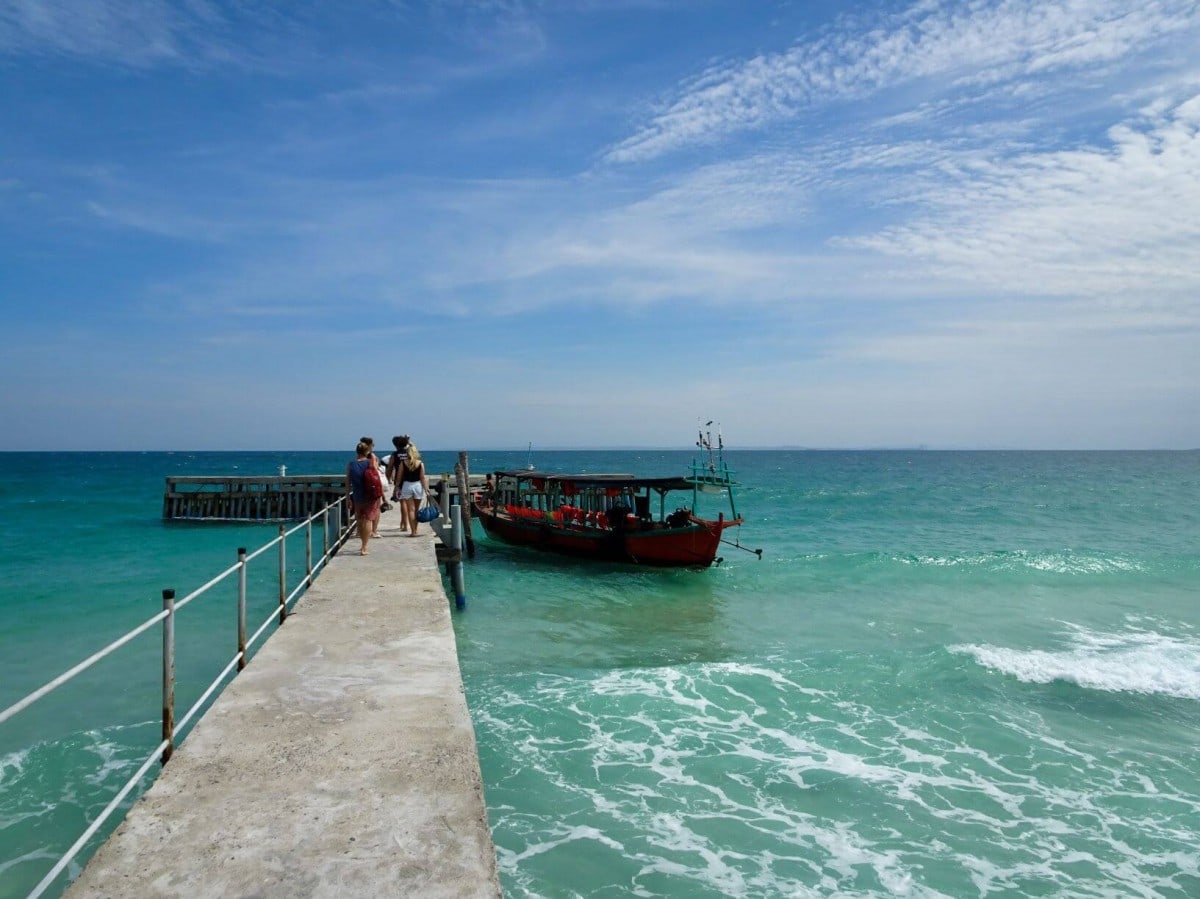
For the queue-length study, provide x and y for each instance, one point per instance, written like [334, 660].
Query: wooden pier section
[269, 497]
[265, 498]
[341, 762]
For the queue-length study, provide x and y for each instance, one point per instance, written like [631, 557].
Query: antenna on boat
[713, 476]
[705, 443]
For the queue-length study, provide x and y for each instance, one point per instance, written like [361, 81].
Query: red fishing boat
[610, 517]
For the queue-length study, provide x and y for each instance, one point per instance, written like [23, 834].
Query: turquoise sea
[951, 674]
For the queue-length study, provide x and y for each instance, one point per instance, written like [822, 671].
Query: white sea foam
[12, 763]
[1131, 662]
[564, 835]
[741, 779]
[31, 856]
[113, 759]
[1065, 562]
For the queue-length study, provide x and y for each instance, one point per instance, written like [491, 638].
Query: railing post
[308, 552]
[325, 533]
[241, 607]
[168, 672]
[282, 574]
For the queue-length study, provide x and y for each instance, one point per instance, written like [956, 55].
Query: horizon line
[662, 448]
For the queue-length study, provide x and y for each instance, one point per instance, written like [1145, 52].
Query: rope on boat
[745, 549]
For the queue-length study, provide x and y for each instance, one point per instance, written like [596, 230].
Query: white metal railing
[332, 540]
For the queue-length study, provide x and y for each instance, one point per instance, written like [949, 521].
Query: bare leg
[410, 516]
[364, 534]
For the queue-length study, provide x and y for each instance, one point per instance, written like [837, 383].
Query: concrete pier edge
[341, 762]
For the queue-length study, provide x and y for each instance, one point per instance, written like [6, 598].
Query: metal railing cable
[80, 668]
[53, 873]
[333, 539]
[204, 589]
[199, 703]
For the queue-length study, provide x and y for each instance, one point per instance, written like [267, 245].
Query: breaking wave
[784, 779]
[1133, 662]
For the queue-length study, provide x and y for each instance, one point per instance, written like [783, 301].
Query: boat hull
[693, 545]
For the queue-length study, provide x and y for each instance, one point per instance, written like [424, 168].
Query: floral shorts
[367, 511]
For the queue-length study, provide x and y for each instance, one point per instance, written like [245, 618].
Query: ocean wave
[1144, 662]
[782, 778]
[12, 763]
[1070, 562]
[49, 787]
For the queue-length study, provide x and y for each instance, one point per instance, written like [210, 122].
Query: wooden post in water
[457, 582]
[462, 473]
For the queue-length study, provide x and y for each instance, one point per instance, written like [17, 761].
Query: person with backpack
[366, 490]
[383, 503]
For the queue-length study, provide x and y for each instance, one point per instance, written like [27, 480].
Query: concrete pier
[341, 762]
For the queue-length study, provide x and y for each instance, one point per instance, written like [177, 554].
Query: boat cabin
[593, 500]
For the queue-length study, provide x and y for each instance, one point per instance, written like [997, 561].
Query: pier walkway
[341, 762]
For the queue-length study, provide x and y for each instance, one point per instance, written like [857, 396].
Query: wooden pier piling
[282, 498]
[265, 498]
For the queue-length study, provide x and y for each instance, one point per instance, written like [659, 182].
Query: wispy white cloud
[956, 43]
[497, 28]
[1000, 203]
[1114, 220]
[130, 33]
[1109, 220]
[293, 37]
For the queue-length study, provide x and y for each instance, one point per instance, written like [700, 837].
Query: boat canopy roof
[598, 480]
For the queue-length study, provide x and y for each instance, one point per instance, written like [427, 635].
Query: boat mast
[705, 444]
[710, 470]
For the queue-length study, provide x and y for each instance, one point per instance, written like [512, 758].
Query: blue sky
[590, 222]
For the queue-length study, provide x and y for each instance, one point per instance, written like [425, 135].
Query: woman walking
[366, 508]
[414, 486]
